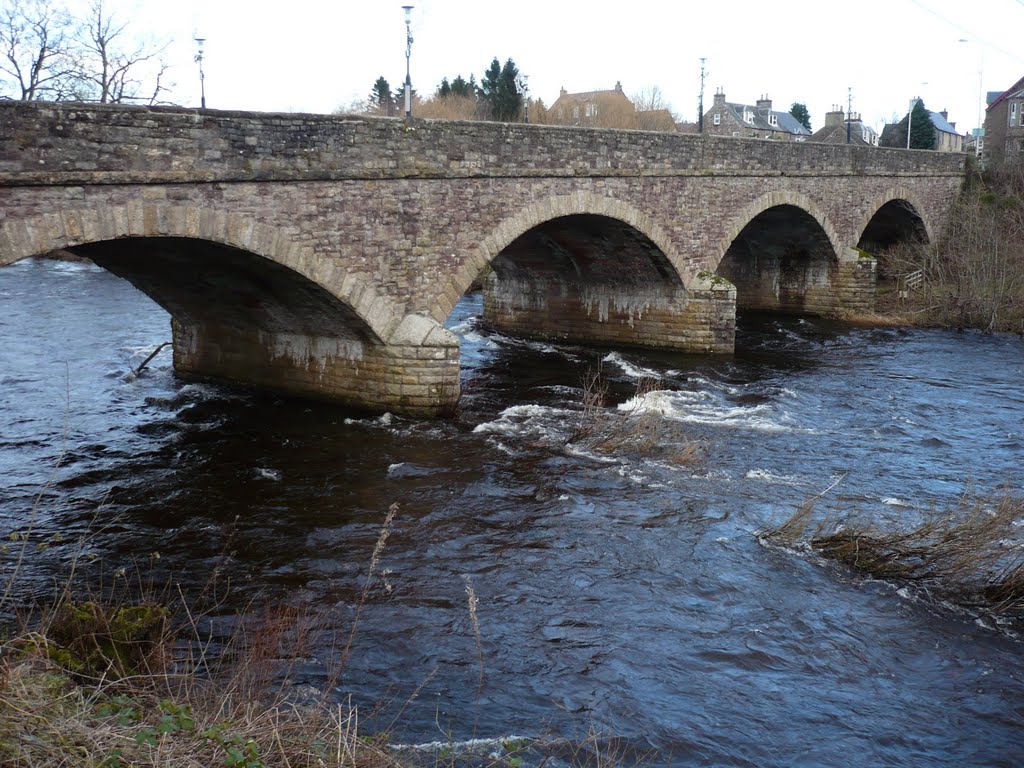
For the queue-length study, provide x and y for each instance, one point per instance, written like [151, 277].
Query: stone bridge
[320, 255]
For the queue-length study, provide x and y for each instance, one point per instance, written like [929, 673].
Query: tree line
[46, 53]
[496, 97]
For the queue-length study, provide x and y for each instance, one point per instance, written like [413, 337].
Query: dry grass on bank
[971, 554]
[637, 431]
[124, 678]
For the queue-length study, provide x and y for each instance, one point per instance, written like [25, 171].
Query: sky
[318, 56]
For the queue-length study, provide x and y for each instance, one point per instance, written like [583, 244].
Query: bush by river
[973, 275]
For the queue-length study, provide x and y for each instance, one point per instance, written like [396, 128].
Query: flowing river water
[619, 591]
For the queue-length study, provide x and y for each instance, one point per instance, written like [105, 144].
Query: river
[618, 591]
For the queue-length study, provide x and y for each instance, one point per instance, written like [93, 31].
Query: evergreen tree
[922, 130]
[799, 111]
[444, 89]
[498, 90]
[380, 101]
[460, 87]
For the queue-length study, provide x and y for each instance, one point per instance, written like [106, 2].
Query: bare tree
[36, 50]
[47, 54]
[114, 67]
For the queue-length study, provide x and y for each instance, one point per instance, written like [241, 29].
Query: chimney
[719, 98]
[945, 115]
[764, 105]
[563, 92]
[618, 86]
[835, 117]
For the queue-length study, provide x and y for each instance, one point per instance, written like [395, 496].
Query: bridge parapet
[65, 143]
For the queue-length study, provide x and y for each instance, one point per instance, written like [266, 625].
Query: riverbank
[971, 275]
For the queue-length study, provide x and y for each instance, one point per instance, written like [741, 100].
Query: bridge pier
[415, 374]
[799, 283]
[699, 319]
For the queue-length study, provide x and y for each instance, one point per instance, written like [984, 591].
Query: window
[748, 116]
[575, 113]
[718, 118]
[1013, 114]
[773, 119]
[591, 110]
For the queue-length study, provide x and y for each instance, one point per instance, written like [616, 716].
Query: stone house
[1004, 126]
[759, 120]
[607, 109]
[838, 129]
[946, 137]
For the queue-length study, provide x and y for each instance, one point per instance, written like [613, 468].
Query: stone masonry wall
[397, 222]
[413, 377]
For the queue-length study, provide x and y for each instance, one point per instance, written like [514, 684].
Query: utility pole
[700, 99]
[849, 112]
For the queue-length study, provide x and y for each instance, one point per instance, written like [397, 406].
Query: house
[753, 121]
[607, 109]
[839, 130]
[1004, 126]
[946, 137]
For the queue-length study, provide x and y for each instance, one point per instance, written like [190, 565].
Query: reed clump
[634, 430]
[970, 554]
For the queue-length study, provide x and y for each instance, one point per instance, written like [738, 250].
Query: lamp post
[979, 132]
[910, 118]
[700, 98]
[202, 78]
[523, 89]
[408, 53]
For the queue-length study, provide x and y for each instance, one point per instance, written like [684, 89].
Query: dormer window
[748, 116]
[773, 119]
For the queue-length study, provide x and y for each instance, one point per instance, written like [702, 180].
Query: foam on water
[633, 371]
[702, 407]
[770, 477]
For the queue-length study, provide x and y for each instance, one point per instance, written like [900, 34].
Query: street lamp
[202, 78]
[523, 89]
[408, 53]
[979, 132]
[910, 118]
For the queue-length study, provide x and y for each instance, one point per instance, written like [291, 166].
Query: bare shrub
[635, 430]
[970, 554]
[449, 108]
[975, 271]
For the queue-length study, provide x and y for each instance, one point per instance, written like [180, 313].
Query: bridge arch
[897, 214]
[510, 229]
[117, 225]
[774, 199]
[782, 255]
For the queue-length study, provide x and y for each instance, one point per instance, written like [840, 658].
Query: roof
[1015, 91]
[941, 123]
[784, 121]
[836, 134]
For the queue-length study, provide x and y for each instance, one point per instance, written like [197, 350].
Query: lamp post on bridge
[200, 41]
[523, 89]
[408, 53]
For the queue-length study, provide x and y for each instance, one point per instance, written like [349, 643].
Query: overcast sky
[318, 56]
